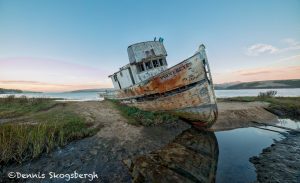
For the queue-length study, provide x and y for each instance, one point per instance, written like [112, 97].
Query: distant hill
[294, 83]
[9, 91]
[225, 85]
[14, 91]
[92, 90]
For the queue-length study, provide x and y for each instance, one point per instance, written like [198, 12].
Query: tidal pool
[238, 145]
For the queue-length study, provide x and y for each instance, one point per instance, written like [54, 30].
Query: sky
[62, 45]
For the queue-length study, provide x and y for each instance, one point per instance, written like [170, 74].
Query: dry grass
[47, 130]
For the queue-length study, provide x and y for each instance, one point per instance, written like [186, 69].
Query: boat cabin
[146, 59]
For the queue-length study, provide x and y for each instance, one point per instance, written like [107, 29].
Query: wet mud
[172, 152]
[280, 162]
[102, 153]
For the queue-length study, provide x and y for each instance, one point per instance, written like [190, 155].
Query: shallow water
[76, 96]
[86, 96]
[283, 92]
[236, 147]
[289, 123]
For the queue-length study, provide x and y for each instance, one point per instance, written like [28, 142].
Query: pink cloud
[50, 74]
[258, 74]
[42, 86]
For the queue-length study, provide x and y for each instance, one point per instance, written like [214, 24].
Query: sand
[240, 114]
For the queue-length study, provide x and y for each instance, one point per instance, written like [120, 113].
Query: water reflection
[203, 156]
[289, 123]
[191, 157]
[236, 147]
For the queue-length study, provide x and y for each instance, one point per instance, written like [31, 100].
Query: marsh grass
[45, 130]
[19, 142]
[13, 107]
[267, 94]
[136, 116]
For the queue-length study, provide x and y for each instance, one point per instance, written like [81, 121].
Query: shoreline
[117, 140]
[234, 115]
[279, 162]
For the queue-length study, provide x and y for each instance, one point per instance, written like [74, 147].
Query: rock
[93, 151]
[128, 163]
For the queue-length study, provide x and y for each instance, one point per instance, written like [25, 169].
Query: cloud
[292, 45]
[43, 74]
[52, 87]
[291, 58]
[284, 68]
[249, 73]
[259, 74]
[291, 42]
[260, 48]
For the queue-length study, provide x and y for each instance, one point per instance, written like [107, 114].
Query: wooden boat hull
[185, 90]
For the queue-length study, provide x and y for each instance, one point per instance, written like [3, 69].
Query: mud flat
[280, 162]
[102, 153]
[240, 114]
[143, 148]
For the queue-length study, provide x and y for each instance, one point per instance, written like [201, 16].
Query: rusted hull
[185, 90]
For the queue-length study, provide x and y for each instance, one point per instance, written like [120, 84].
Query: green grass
[14, 107]
[136, 116]
[282, 106]
[41, 133]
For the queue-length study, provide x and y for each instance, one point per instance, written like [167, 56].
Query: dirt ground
[117, 140]
[240, 114]
[231, 115]
[102, 153]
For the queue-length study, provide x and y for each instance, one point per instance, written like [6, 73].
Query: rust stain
[178, 76]
[189, 98]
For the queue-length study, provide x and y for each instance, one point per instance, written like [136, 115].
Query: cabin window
[149, 65]
[155, 63]
[115, 77]
[161, 62]
[121, 74]
[141, 67]
[152, 52]
[147, 53]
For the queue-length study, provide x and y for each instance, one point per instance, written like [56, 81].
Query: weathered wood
[185, 90]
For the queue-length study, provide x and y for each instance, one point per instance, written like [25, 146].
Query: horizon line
[103, 87]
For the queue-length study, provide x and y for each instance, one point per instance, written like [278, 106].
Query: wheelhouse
[146, 59]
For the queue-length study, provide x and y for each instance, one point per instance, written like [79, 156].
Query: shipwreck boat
[185, 90]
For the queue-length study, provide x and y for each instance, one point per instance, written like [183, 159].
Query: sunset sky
[62, 45]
